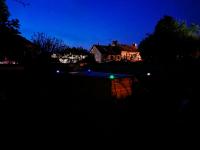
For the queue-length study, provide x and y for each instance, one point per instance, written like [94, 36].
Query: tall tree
[4, 13]
[171, 41]
[9, 30]
[47, 43]
[194, 30]
[6, 24]
[166, 25]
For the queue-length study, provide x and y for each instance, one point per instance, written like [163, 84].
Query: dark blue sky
[86, 22]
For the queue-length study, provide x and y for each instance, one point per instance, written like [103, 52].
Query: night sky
[86, 22]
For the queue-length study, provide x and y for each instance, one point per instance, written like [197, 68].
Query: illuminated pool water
[103, 84]
[101, 74]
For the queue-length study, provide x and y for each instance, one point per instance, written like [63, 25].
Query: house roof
[15, 41]
[129, 48]
[116, 49]
[15, 47]
[110, 50]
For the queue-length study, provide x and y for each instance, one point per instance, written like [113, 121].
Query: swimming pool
[100, 74]
[103, 84]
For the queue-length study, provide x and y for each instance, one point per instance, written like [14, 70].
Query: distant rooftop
[115, 48]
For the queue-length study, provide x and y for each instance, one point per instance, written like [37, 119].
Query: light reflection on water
[120, 85]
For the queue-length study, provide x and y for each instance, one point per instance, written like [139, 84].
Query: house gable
[97, 54]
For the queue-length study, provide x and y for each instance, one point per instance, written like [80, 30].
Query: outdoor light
[111, 77]
[57, 71]
[148, 74]
[89, 70]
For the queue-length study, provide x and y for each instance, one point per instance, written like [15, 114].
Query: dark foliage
[7, 25]
[9, 31]
[171, 42]
[46, 43]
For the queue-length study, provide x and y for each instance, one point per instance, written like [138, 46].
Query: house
[14, 49]
[116, 52]
[71, 56]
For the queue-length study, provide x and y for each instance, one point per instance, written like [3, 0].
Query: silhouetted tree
[7, 25]
[76, 50]
[173, 49]
[9, 30]
[171, 41]
[22, 2]
[194, 30]
[4, 13]
[47, 45]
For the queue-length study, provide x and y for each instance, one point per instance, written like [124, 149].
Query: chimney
[114, 43]
[134, 45]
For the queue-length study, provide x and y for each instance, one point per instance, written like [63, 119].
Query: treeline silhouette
[171, 42]
[16, 48]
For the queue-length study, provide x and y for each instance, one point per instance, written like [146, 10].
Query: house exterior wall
[131, 56]
[114, 58]
[97, 55]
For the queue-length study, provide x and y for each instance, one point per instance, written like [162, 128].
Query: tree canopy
[171, 41]
[47, 43]
[10, 41]
[6, 24]
[4, 13]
